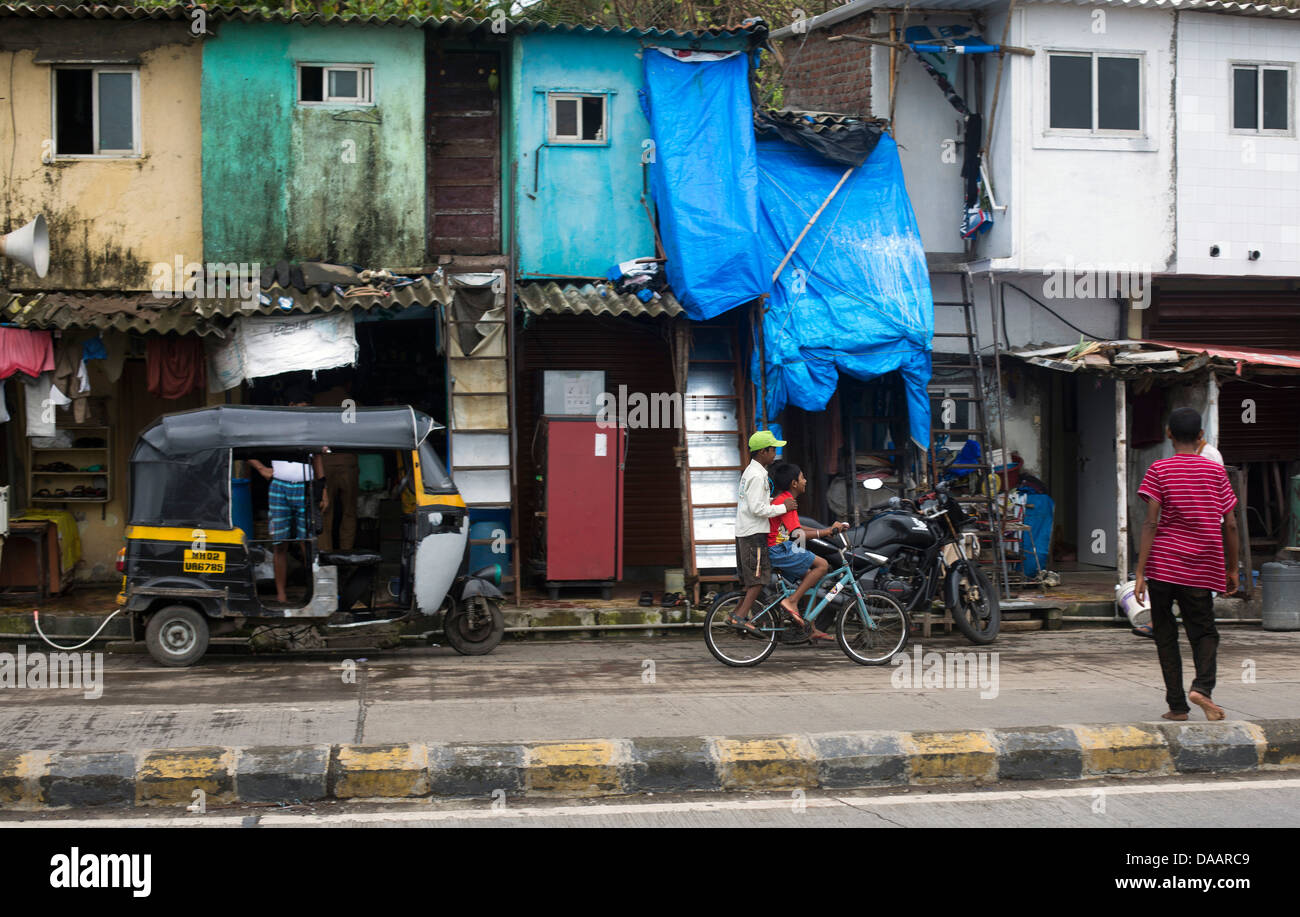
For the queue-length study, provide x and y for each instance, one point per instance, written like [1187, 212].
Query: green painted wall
[282, 180]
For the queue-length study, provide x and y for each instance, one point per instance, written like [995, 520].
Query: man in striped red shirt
[1189, 503]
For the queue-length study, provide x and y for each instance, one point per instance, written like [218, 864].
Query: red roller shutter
[632, 352]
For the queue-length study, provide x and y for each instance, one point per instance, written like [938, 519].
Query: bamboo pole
[1121, 480]
[903, 46]
[807, 226]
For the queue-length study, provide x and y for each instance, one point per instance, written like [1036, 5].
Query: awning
[144, 312]
[1130, 359]
[591, 299]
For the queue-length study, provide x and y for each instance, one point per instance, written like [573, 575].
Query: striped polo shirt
[1194, 496]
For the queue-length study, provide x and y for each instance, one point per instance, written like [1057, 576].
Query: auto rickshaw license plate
[205, 562]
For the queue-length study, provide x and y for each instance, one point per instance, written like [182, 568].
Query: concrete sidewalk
[545, 717]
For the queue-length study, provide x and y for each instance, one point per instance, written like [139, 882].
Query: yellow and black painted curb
[218, 776]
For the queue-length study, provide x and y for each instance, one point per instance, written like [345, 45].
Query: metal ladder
[969, 374]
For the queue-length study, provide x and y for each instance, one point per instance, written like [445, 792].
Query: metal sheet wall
[632, 352]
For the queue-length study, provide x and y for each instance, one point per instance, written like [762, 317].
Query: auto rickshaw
[190, 572]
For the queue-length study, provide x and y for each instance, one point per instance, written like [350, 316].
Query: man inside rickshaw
[289, 499]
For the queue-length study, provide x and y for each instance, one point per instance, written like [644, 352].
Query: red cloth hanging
[28, 352]
[175, 366]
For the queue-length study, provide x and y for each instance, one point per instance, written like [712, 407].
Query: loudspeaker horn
[29, 245]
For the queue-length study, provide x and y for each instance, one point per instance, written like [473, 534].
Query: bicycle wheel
[735, 646]
[872, 631]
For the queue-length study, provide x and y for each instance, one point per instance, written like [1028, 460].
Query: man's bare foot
[1213, 711]
[793, 610]
[1174, 716]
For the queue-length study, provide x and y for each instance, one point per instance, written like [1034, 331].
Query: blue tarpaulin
[705, 181]
[855, 297]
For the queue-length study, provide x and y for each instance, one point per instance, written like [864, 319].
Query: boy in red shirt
[1189, 507]
[788, 555]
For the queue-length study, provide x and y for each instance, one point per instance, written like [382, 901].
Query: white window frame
[554, 139]
[1146, 139]
[1259, 67]
[1096, 131]
[96, 70]
[365, 84]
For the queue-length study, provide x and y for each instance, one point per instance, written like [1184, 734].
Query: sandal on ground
[1177, 717]
[1144, 630]
[670, 600]
[828, 638]
[745, 625]
[647, 599]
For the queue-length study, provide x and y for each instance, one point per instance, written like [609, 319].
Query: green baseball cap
[762, 439]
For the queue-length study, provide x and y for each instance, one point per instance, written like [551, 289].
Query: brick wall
[829, 76]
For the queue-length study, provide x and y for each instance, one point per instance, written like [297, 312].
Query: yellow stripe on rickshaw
[185, 534]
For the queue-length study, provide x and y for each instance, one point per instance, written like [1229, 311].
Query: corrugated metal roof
[1132, 358]
[591, 299]
[821, 122]
[424, 292]
[140, 312]
[144, 312]
[1277, 8]
[449, 24]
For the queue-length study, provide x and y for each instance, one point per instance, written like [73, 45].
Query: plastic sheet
[855, 297]
[704, 180]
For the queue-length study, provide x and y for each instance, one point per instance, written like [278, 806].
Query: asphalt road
[530, 690]
[1205, 802]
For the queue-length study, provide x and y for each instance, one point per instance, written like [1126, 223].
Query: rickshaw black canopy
[181, 464]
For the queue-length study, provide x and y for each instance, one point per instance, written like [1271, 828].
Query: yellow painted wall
[110, 219]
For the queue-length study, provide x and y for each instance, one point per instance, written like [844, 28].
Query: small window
[1261, 99]
[320, 84]
[1095, 93]
[95, 111]
[576, 118]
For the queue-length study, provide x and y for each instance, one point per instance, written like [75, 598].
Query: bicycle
[870, 627]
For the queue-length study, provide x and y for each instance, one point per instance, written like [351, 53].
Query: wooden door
[463, 159]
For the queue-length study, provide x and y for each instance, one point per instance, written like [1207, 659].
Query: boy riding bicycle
[785, 547]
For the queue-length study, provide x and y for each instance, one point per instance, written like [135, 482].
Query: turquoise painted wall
[586, 213]
[287, 181]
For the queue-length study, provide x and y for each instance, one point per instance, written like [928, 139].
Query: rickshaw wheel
[177, 636]
[475, 627]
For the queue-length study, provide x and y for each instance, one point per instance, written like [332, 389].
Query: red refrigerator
[583, 478]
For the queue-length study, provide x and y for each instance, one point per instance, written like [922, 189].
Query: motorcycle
[927, 556]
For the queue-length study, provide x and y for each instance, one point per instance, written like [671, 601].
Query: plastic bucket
[1138, 613]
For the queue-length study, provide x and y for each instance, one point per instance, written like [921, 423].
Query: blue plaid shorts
[290, 510]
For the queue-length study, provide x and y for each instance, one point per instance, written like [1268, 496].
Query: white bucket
[1138, 613]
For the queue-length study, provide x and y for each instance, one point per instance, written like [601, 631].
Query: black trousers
[1197, 607]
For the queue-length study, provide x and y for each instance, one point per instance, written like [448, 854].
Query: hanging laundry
[94, 349]
[27, 352]
[70, 376]
[976, 216]
[175, 366]
[116, 345]
[42, 398]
